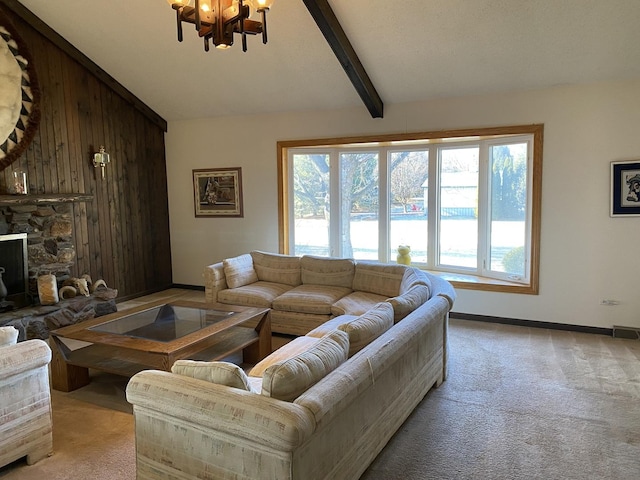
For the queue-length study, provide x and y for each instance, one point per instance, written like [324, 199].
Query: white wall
[586, 255]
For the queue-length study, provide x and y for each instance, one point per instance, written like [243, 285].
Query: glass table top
[164, 323]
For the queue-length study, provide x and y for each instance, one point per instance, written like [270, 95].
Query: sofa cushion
[412, 277]
[356, 303]
[362, 330]
[276, 268]
[258, 294]
[406, 303]
[288, 379]
[288, 350]
[238, 271]
[296, 323]
[310, 299]
[8, 336]
[335, 272]
[383, 279]
[222, 373]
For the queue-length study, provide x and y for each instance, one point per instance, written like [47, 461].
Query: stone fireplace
[47, 222]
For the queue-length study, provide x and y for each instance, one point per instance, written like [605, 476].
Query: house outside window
[466, 202]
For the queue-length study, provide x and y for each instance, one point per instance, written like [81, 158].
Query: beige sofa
[321, 407]
[25, 399]
[304, 292]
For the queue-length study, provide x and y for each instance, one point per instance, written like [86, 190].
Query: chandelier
[217, 20]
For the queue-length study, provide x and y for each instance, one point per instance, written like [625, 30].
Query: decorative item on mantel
[84, 286]
[101, 159]
[20, 185]
[48, 289]
[218, 20]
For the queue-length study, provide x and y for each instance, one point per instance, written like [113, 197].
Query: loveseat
[304, 292]
[25, 399]
[320, 407]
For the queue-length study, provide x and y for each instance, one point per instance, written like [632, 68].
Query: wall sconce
[101, 159]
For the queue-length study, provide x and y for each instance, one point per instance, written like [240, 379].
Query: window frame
[390, 142]
[529, 204]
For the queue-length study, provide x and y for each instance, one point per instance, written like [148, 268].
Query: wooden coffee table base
[70, 368]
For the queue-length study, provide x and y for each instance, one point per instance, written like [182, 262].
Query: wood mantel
[45, 198]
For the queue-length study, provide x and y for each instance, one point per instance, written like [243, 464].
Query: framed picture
[625, 189]
[218, 192]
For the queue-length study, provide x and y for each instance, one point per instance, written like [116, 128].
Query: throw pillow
[288, 379]
[363, 329]
[239, 271]
[369, 326]
[413, 277]
[406, 303]
[8, 336]
[285, 352]
[222, 373]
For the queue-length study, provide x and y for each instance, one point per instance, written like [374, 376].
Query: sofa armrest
[215, 408]
[439, 286]
[214, 281]
[23, 357]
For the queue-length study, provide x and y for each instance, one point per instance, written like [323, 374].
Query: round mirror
[19, 112]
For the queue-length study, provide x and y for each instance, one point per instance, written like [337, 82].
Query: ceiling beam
[328, 24]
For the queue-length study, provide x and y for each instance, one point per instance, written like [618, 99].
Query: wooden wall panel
[122, 235]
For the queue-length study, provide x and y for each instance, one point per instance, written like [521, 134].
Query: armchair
[25, 399]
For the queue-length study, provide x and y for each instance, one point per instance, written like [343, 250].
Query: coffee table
[154, 336]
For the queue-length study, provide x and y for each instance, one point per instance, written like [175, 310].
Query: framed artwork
[218, 192]
[625, 189]
[19, 95]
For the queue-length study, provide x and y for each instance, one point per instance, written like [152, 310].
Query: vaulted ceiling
[412, 50]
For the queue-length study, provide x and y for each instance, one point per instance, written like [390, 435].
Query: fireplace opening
[13, 258]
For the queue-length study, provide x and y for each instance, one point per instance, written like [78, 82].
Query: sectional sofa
[320, 407]
[305, 292]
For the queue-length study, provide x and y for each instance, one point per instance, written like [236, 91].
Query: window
[466, 202]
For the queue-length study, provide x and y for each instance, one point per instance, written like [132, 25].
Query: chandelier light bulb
[262, 4]
[205, 5]
[183, 3]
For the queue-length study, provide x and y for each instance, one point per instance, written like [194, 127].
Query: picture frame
[217, 192]
[625, 189]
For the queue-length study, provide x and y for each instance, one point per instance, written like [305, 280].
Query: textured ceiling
[412, 49]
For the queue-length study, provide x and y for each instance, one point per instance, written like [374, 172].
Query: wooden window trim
[470, 282]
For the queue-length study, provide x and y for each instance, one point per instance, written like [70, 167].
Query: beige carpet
[520, 403]
[524, 403]
[91, 441]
